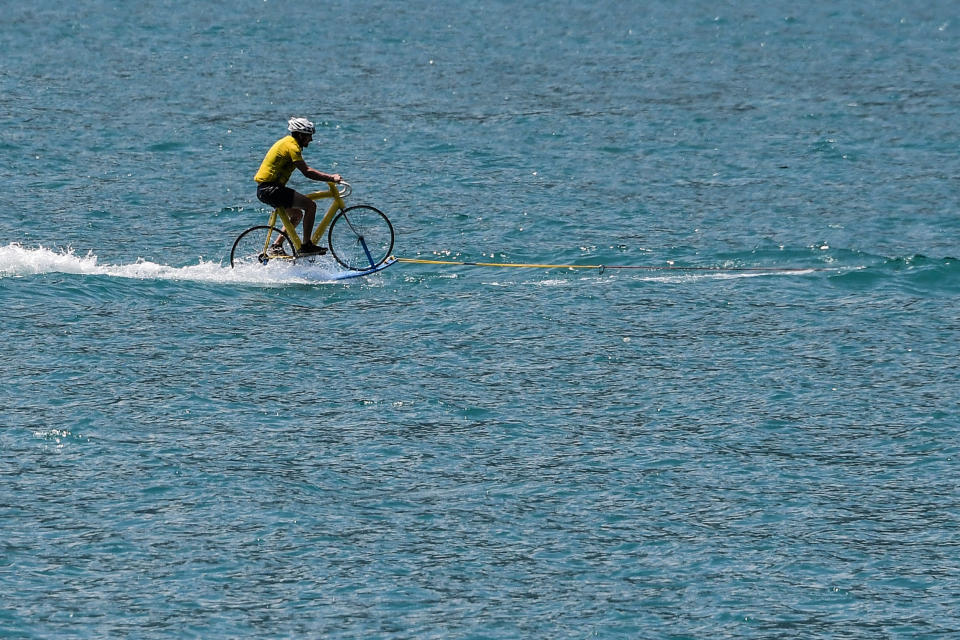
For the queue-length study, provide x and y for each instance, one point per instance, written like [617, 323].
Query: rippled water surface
[751, 432]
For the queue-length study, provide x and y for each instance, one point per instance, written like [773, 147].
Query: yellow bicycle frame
[291, 229]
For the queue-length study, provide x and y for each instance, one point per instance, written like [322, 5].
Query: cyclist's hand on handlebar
[336, 177]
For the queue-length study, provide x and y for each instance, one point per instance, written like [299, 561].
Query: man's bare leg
[309, 208]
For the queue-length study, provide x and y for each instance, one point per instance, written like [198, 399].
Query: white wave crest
[20, 261]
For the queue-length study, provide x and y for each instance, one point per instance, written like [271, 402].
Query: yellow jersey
[278, 164]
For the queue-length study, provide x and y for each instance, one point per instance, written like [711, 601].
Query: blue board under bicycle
[343, 275]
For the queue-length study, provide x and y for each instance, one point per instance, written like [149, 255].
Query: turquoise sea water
[190, 451]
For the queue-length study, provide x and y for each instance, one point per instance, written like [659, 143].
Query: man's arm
[313, 174]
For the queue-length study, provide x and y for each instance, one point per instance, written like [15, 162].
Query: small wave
[915, 272]
[19, 261]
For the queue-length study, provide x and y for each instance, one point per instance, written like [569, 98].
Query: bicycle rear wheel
[249, 247]
[360, 237]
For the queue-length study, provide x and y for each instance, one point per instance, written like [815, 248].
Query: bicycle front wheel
[360, 237]
[251, 245]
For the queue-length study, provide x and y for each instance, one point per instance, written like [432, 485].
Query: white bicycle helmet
[300, 125]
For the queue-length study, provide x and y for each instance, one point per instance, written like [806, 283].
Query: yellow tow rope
[500, 264]
[599, 267]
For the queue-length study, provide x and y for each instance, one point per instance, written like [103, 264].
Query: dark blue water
[764, 446]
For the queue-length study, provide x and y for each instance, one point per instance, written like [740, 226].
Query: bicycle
[360, 237]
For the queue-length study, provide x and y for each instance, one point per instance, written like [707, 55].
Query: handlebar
[344, 188]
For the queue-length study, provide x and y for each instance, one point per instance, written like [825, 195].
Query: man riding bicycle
[275, 170]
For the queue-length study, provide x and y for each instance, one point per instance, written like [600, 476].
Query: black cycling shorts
[275, 194]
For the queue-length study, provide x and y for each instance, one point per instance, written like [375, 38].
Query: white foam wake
[19, 261]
